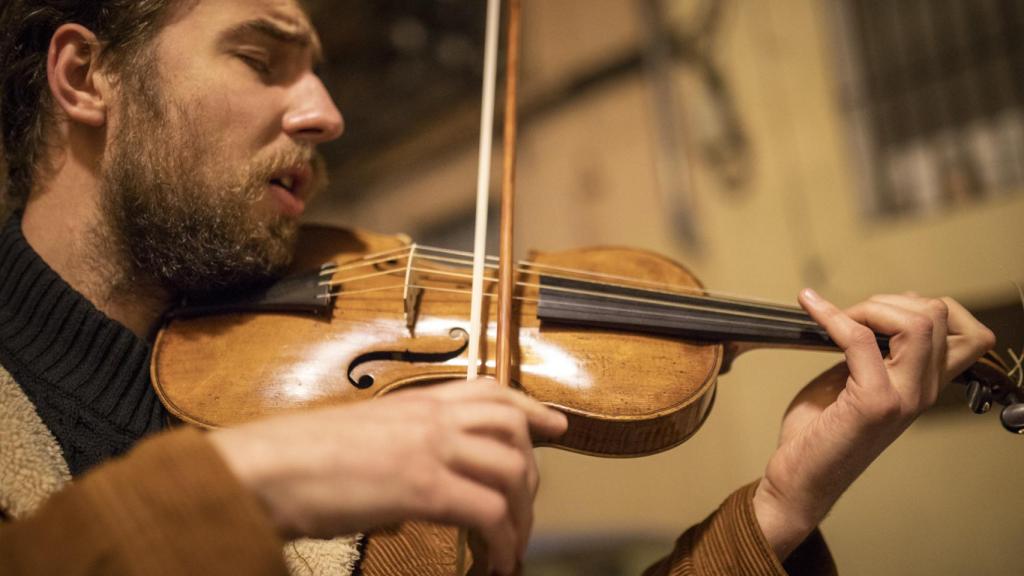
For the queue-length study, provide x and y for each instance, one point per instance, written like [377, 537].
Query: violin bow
[506, 274]
[506, 270]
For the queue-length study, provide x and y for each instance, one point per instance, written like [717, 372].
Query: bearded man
[160, 149]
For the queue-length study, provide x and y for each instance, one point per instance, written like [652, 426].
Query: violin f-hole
[459, 344]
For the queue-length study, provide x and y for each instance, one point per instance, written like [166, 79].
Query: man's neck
[63, 223]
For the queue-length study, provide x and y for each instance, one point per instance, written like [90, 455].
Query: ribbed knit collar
[87, 375]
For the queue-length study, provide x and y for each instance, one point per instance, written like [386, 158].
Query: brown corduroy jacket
[173, 507]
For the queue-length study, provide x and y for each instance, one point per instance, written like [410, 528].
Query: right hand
[458, 453]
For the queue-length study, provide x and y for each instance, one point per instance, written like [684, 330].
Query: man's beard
[182, 219]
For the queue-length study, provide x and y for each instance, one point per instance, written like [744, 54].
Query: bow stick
[506, 274]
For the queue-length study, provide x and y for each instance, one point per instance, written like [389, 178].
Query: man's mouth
[289, 188]
[286, 182]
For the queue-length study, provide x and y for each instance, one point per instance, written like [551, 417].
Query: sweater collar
[64, 352]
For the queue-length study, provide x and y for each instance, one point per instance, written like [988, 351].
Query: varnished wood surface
[625, 394]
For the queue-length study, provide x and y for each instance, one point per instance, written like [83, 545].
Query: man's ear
[76, 80]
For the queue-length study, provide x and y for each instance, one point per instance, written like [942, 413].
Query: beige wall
[946, 498]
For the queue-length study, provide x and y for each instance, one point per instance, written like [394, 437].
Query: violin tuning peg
[979, 397]
[1012, 417]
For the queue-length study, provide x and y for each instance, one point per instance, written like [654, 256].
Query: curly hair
[123, 27]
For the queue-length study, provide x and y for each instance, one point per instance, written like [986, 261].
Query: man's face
[211, 156]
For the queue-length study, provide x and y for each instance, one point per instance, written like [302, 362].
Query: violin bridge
[412, 292]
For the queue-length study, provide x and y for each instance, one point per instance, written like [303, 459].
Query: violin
[627, 343]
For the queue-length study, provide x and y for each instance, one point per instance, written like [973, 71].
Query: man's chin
[236, 259]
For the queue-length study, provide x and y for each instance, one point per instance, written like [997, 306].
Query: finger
[494, 417]
[938, 312]
[502, 468]
[966, 338]
[503, 422]
[900, 323]
[856, 340]
[543, 421]
[933, 308]
[969, 339]
[468, 503]
[961, 321]
[917, 355]
[909, 300]
[502, 547]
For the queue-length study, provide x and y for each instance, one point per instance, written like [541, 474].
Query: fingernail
[811, 296]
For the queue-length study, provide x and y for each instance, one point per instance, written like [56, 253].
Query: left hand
[843, 419]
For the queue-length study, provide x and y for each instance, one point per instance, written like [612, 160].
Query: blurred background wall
[853, 146]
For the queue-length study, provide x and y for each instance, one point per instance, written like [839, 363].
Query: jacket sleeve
[171, 506]
[730, 542]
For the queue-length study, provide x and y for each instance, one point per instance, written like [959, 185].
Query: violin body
[392, 327]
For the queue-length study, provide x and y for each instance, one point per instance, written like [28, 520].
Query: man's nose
[313, 117]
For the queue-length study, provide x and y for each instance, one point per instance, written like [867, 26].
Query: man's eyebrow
[299, 37]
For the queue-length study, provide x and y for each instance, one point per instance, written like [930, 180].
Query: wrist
[785, 524]
[257, 473]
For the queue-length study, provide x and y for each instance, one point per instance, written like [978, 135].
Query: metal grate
[935, 92]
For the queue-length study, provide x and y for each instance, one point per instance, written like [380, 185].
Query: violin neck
[696, 317]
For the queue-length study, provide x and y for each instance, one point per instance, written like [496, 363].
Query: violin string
[360, 260]
[1017, 358]
[696, 293]
[678, 290]
[613, 297]
[388, 257]
[673, 288]
[349, 293]
[368, 260]
[447, 260]
[525, 265]
[331, 283]
[766, 313]
[1016, 367]
[677, 305]
[579, 305]
[725, 319]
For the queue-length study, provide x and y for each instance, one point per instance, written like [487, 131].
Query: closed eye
[257, 64]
